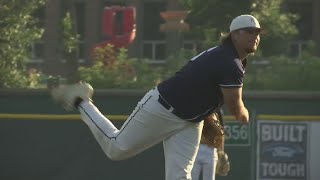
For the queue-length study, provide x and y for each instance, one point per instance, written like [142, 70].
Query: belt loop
[163, 102]
[171, 109]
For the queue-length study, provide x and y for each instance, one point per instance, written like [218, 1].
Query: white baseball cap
[244, 21]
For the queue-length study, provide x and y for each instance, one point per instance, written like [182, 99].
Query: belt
[167, 105]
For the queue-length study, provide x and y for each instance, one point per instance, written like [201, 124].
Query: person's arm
[221, 147]
[233, 100]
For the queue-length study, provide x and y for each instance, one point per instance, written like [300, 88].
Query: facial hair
[250, 50]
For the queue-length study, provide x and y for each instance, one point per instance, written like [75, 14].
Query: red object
[119, 26]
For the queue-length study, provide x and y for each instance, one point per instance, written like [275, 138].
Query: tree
[212, 15]
[18, 30]
[70, 40]
[217, 14]
[279, 26]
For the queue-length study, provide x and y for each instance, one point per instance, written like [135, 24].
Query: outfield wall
[41, 141]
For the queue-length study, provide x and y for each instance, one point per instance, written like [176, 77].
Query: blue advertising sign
[282, 150]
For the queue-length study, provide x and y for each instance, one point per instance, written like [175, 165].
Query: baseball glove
[223, 164]
[213, 132]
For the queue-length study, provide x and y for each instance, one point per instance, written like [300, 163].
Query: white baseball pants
[149, 124]
[206, 161]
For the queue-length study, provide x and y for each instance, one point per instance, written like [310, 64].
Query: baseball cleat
[67, 95]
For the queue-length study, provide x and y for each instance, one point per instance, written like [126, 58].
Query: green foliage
[274, 73]
[217, 14]
[279, 26]
[211, 38]
[15, 78]
[214, 13]
[283, 73]
[70, 41]
[18, 30]
[69, 36]
[175, 62]
[113, 69]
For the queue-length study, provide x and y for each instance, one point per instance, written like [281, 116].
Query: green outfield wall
[39, 140]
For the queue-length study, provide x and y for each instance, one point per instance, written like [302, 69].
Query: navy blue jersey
[194, 91]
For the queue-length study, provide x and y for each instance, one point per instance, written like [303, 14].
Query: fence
[41, 141]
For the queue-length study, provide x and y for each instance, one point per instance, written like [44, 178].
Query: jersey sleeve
[232, 74]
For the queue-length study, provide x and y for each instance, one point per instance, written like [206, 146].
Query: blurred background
[70, 40]
[125, 47]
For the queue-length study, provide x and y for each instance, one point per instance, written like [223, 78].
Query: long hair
[225, 38]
